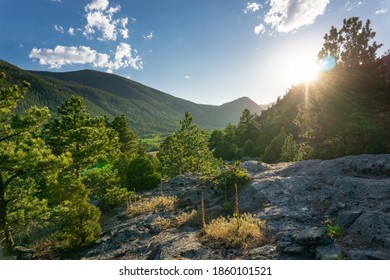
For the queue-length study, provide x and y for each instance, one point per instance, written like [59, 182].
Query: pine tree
[289, 149]
[23, 156]
[187, 151]
[273, 150]
[351, 45]
[86, 138]
[129, 148]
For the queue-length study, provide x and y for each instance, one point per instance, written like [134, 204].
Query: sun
[300, 68]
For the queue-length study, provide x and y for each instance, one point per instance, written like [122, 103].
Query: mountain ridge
[148, 110]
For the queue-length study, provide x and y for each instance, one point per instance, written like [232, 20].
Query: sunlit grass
[153, 204]
[243, 231]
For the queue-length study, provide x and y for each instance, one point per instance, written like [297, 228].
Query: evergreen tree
[273, 150]
[93, 146]
[346, 110]
[127, 137]
[142, 174]
[129, 147]
[289, 149]
[86, 138]
[23, 157]
[187, 151]
[351, 45]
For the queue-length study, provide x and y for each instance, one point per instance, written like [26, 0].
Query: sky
[205, 51]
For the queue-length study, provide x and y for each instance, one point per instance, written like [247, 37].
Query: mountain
[148, 110]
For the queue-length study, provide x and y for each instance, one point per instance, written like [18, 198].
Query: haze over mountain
[148, 110]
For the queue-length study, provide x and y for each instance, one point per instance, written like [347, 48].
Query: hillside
[148, 110]
[344, 111]
[332, 209]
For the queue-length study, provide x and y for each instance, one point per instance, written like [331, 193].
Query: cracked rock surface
[301, 202]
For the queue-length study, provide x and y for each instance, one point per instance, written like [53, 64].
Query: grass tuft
[153, 204]
[242, 231]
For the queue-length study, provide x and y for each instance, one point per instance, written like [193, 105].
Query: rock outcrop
[301, 203]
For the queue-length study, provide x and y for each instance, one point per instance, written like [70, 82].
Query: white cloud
[58, 1]
[289, 15]
[149, 36]
[351, 5]
[100, 18]
[381, 11]
[99, 5]
[259, 29]
[71, 31]
[59, 28]
[187, 77]
[252, 7]
[63, 55]
[124, 58]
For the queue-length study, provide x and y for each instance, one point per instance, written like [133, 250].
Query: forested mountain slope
[148, 110]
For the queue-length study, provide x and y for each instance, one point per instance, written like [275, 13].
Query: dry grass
[163, 223]
[243, 231]
[153, 204]
[183, 219]
[189, 219]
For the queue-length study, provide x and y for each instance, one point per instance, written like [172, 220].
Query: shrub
[115, 196]
[77, 223]
[335, 230]
[190, 219]
[233, 174]
[153, 204]
[142, 174]
[243, 231]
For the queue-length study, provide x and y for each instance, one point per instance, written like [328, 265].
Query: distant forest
[60, 170]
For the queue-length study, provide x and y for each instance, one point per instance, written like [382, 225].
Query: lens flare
[327, 63]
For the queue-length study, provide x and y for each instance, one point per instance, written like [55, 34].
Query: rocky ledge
[316, 209]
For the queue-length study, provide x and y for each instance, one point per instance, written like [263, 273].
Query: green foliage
[77, 223]
[115, 196]
[289, 150]
[335, 230]
[233, 174]
[227, 205]
[305, 152]
[23, 157]
[127, 137]
[148, 110]
[142, 174]
[186, 151]
[272, 153]
[27, 212]
[100, 178]
[152, 142]
[343, 112]
[224, 143]
[86, 138]
[104, 183]
[351, 44]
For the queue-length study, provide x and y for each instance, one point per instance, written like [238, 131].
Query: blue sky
[206, 51]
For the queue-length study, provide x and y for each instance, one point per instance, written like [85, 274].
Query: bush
[77, 224]
[242, 231]
[335, 230]
[114, 197]
[233, 174]
[153, 204]
[142, 174]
